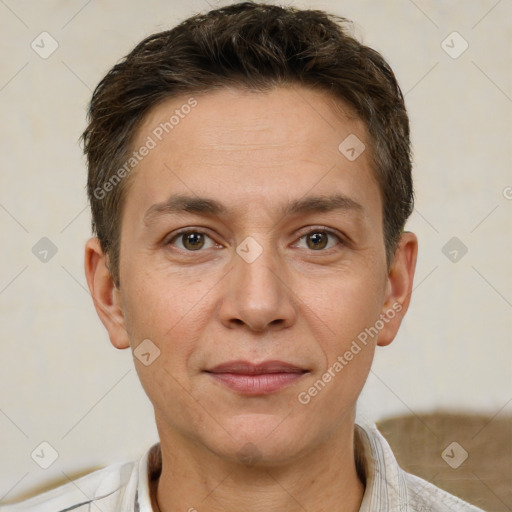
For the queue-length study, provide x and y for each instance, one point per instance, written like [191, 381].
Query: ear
[398, 288]
[105, 294]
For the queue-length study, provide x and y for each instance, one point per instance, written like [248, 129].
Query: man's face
[258, 281]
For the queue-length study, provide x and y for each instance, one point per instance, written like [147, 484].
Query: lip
[256, 379]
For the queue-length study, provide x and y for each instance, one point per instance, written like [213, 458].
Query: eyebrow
[180, 203]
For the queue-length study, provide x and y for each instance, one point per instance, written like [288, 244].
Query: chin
[260, 440]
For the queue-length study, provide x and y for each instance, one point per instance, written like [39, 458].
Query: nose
[257, 293]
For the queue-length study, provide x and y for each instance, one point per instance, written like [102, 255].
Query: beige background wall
[61, 380]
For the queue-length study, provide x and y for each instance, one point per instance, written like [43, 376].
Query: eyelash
[322, 230]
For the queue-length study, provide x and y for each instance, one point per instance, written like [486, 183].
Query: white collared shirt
[125, 487]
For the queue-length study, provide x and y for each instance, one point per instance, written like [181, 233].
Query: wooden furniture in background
[423, 446]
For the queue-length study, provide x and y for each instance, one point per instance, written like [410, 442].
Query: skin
[304, 304]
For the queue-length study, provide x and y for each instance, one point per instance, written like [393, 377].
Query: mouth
[256, 379]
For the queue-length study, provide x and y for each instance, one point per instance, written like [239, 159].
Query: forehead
[250, 146]
[286, 116]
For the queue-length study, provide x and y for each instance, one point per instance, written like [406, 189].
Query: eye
[192, 240]
[195, 240]
[318, 239]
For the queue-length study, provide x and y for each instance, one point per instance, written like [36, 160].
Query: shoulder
[389, 487]
[104, 488]
[426, 497]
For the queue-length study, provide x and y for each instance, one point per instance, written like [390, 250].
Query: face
[252, 258]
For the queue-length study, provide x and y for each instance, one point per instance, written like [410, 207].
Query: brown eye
[191, 241]
[317, 241]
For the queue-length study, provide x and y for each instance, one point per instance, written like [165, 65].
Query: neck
[194, 479]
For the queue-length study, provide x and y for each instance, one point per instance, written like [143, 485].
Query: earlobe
[399, 287]
[104, 293]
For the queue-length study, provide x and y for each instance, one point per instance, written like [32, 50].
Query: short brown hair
[256, 46]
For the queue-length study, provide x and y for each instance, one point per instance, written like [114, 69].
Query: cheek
[171, 316]
[347, 305]
[173, 311]
[348, 310]
[160, 301]
[348, 345]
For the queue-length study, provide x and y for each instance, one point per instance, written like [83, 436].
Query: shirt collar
[149, 468]
[385, 485]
